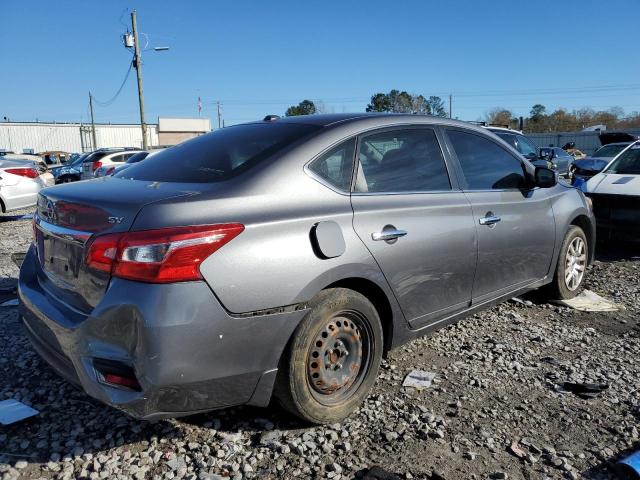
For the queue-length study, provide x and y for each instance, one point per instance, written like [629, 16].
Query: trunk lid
[67, 218]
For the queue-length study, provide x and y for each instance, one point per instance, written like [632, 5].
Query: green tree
[403, 102]
[537, 112]
[305, 107]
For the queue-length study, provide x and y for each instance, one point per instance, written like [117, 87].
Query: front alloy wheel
[575, 263]
[571, 266]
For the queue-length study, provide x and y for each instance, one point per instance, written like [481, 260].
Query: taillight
[110, 171]
[96, 165]
[159, 256]
[23, 172]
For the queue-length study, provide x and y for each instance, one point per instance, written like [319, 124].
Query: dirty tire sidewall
[559, 289]
[293, 390]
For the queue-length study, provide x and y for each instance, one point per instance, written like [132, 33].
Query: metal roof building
[21, 137]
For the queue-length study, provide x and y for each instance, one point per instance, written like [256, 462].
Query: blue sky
[259, 57]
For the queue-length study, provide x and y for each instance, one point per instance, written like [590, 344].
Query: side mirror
[545, 177]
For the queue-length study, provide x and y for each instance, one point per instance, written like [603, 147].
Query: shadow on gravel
[613, 251]
[12, 218]
[253, 420]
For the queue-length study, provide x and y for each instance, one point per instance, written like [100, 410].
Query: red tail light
[23, 172]
[159, 256]
[110, 171]
[96, 165]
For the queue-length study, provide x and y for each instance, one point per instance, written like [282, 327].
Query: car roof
[332, 119]
[503, 129]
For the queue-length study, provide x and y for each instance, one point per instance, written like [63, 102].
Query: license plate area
[59, 257]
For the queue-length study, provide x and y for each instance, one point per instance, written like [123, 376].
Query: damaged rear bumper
[188, 354]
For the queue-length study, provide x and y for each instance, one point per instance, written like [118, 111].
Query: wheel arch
[377, 296]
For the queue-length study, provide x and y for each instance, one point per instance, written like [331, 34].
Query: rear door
[415, 221]
[515, 224]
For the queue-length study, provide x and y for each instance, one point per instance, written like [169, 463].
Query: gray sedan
[285, 256]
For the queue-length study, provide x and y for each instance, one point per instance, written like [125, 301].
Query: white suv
[101, 158]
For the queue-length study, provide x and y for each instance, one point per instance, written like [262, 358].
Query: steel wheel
[575, 263]
[332, 359]
[338, 358]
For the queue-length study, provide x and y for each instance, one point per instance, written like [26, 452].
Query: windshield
[219, 155]
[78, 160]
[609, 151]
[137, 157]
[628, 163]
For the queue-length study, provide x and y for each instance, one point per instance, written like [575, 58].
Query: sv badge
[115, 220]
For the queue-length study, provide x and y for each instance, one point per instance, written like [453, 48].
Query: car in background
[528, 150]
[112, 169]
[30, 159]
[105, 157]
[20, 183]
[559, 158]
[54, 158]
[284, 257]
[582, 170]
[615, 194]
[71, 171]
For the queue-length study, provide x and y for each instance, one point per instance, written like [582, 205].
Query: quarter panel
[273, 263]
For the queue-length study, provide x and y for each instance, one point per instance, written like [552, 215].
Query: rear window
[219, 155]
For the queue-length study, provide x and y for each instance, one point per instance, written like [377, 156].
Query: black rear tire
[560, 288]
[333, 358]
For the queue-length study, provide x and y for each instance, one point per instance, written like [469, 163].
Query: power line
[113, 99]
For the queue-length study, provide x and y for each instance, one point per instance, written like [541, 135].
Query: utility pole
[93, 125]
[137, 63]
[450, 116]
[218, 104]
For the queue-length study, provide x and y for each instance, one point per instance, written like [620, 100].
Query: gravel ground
[496, 408]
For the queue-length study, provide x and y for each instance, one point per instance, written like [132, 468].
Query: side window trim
[453, 178]
[463, 181]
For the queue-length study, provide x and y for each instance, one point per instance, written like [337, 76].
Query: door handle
[387, 235]
[490, 220]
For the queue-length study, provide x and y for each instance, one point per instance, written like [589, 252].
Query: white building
[36, 137]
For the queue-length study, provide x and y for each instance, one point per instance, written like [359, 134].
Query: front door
[415, 221]
[515, 223]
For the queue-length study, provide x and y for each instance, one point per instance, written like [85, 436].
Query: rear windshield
[219, 155]
[609, 151]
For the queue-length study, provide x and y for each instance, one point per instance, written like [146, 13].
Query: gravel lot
[499, 377]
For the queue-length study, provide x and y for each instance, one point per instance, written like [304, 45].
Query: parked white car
[102, 158]
[615, 193]
[20, 183]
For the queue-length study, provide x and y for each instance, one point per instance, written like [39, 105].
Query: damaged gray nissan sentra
[284, 257]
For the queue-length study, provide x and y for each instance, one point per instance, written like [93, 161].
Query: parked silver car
[286, 256]
[20, 183]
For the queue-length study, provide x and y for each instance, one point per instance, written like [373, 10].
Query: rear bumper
[188, 354]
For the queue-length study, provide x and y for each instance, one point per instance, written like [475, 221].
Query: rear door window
[407, 160]
[485, 164]
[219, 155]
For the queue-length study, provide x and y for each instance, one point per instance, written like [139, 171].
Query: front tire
[572, 265]
[333, 358]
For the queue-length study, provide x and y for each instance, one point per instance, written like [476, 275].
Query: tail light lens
[96, 165]
[23, 172]
[159, 256]
[110, 171]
